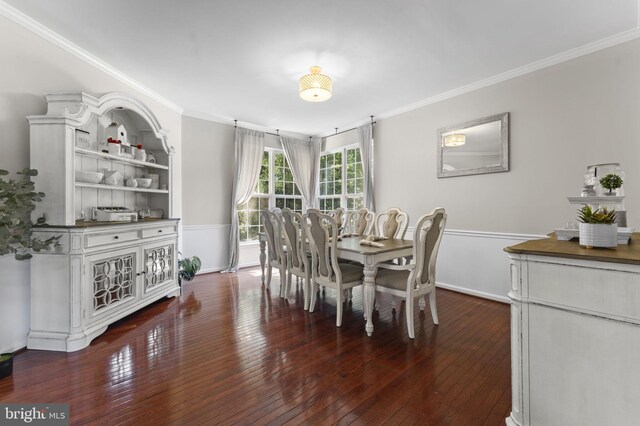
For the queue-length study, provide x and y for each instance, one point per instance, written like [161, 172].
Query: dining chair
[298, 262]
[416, 280]
[360, 222]
[391, 224]
[275, 253]
[339, 216]
[326, 270]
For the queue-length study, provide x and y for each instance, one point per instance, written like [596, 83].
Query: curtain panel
[304, 161]
[365, 141]
[249, 147]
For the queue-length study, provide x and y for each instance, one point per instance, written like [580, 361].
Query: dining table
[349, 248]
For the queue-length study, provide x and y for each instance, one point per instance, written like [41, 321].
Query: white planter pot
[598, 235]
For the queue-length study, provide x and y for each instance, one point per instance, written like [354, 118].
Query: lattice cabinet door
[112, 279]
[160, 263]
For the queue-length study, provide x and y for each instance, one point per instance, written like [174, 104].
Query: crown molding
[508, 75]
[37, 28]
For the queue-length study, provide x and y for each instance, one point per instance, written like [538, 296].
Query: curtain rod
[348, 130]
[277, 133]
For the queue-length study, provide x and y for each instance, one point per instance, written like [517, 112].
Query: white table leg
[263, 257]
[369, 292]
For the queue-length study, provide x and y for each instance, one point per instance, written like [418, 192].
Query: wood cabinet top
[624, 253]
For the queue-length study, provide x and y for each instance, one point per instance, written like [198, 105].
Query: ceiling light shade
[454, 140]
[315, 87]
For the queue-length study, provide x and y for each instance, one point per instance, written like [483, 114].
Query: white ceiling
[240, 59]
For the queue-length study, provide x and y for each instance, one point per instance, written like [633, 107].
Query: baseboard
[471, 292]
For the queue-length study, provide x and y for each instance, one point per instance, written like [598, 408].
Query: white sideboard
[102, 271]
[98, 275]
[575, 334]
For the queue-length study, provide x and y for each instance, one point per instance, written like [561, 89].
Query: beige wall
[207, 171]
[563, 118]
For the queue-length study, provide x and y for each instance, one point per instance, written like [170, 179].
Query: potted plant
[188, 267]
[17, 201]
[611, 182]
[597, 227]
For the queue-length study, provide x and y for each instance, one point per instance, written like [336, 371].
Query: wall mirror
[475, 147]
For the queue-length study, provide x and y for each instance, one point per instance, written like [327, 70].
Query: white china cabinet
[102, 270]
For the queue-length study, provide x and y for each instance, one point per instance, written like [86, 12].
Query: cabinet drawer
[158, 231]
[111, 238]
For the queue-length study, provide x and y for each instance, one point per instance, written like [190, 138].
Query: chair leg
[306, 282]
[432, 304]
[312, 296]
[283, 282]
[339, 301]
[421, 303]
[394, 303]
[351, 293]
[409, 309]
[269, 270]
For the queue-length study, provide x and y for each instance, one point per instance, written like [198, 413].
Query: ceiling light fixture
[454, 140]
[315, 87]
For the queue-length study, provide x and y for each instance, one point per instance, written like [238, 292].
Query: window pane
[279, 188]
[243, 233]
[278, 159]
[253, 203]
[280, 203]
[359, 170]
[288, 176]
[336, 203]
[338, 159]
[359, 186]
[290, 204]
[350, 204]
[338, 173]
[296, 190]
[323, 175]
[253, 218]
[323, 203]
[351, 155]
[358, 159]
[330, 188]
[288, 188]
[264, 203]
[323, 189]
[323, 161]
[329, 160]
[351, 171]
[253, 233]
[351, 186]
[242, 206]
[264, 187]
[330, 174]
[298, 205]
[338, 187]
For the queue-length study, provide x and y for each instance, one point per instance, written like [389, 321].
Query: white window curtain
[365, 141]
[249, 147]
[304, 161]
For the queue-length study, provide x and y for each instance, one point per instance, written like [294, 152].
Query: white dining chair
[392, 223]
[298, 262]
[326, 270]
[275, 253]
[339, 216]
[416, 280]
[360, 222]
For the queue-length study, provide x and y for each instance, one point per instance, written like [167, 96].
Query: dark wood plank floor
[230, 352]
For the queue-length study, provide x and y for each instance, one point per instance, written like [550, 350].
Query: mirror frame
[504, 144]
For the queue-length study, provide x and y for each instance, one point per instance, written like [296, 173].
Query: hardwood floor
[230, 352]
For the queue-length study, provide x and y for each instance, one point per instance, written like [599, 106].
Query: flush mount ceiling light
[454, 140]
[315, 87]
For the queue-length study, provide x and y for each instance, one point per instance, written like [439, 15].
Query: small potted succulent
[611, 182]
[597, 227]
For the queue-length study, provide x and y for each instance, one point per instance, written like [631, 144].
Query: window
[341, 182]
[275, 188]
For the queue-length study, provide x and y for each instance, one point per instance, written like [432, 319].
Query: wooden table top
[624, 253]
[353, 244]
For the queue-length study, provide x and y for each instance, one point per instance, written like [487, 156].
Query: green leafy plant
[188, 267]
[18, 199]
[587, 215]
[611, 182]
